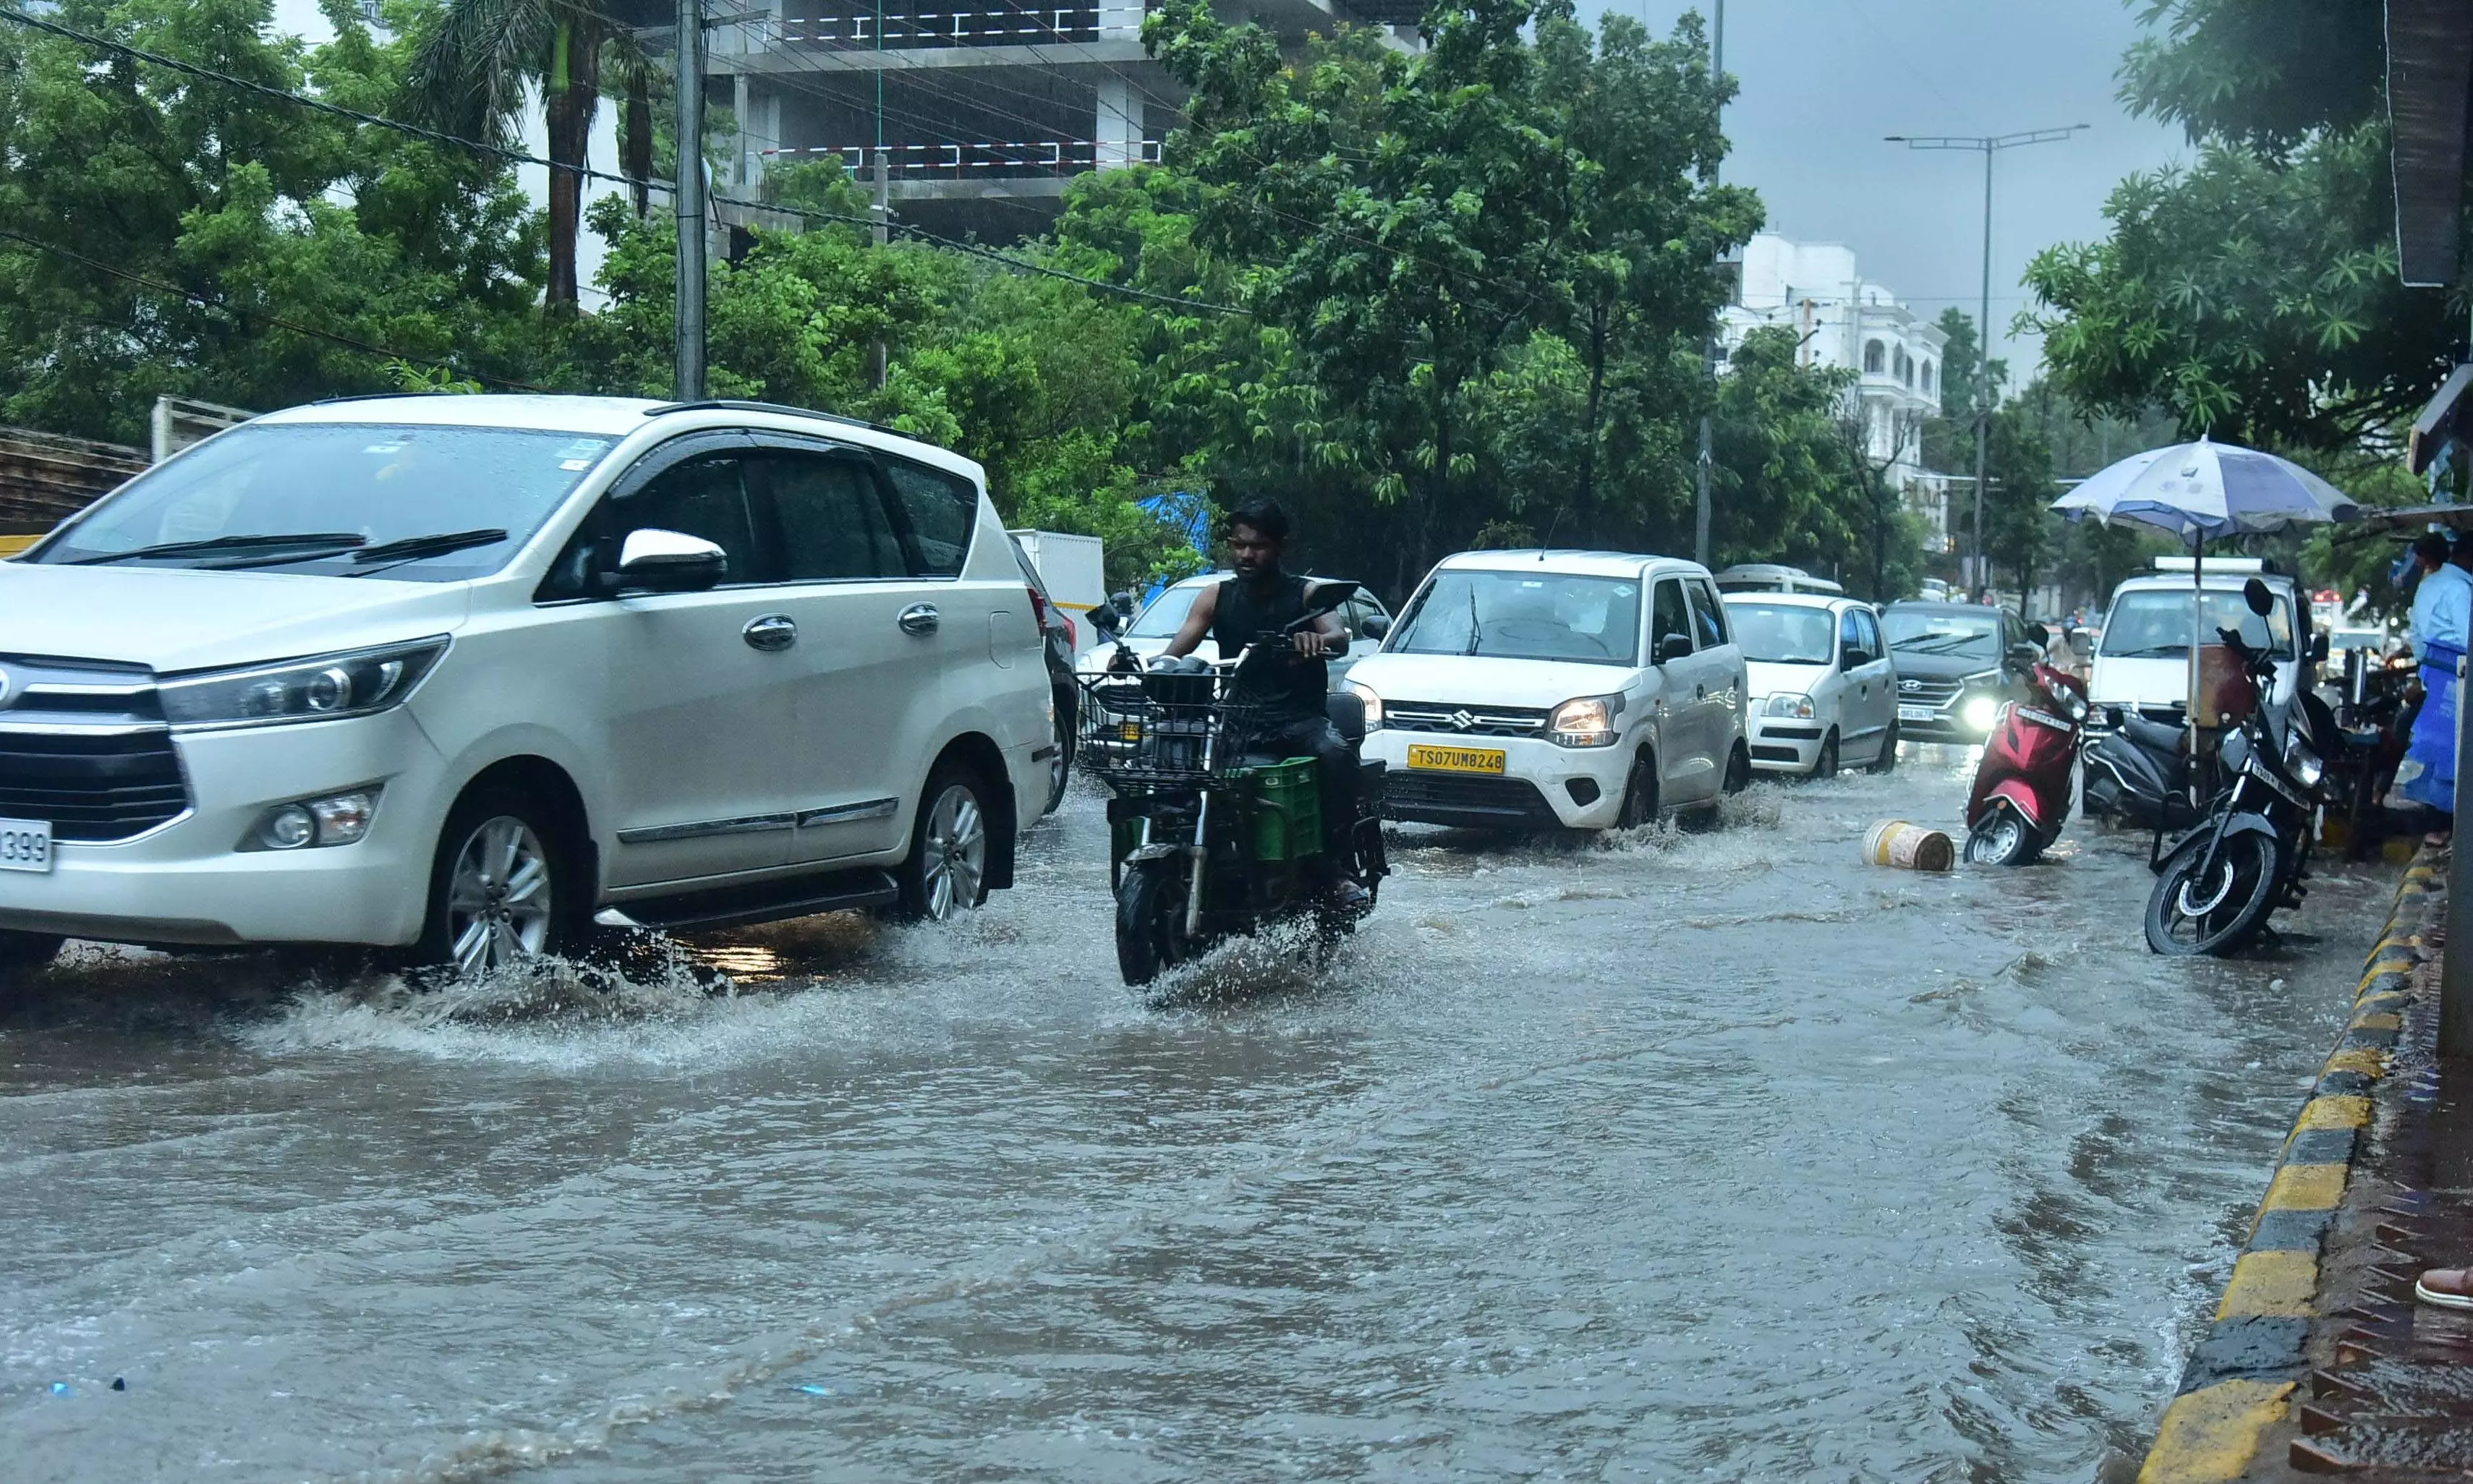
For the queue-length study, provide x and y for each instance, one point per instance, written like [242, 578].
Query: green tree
[177, 235]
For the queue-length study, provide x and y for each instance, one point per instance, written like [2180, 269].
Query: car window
[942, 508]
[1667, 614]
[1708, 614]
[831, 518]
[1869, 627]
[703, 497]
[1850, 631]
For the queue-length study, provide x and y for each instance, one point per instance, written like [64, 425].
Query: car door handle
[1699, 692]
[770, 632]
[919, 618]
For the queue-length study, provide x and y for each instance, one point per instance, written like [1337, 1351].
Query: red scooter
[2022, 787]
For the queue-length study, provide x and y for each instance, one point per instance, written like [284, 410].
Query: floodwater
[1683, 1155]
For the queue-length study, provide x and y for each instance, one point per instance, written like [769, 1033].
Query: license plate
[1918, 714]
[25, 845]
[1456, 759]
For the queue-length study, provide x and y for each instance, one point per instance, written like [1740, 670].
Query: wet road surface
[1678, 1155]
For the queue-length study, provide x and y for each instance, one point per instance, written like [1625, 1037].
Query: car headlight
[1784, 703]
[1981, 712]
[353, 684]
[1588, 721]
[1373, 704]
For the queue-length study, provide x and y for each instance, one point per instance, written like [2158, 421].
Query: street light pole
[1708, 446]
[1991, 145]
[687, 380]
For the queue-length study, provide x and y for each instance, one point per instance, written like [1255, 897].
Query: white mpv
[1556, 690]
[457, 673]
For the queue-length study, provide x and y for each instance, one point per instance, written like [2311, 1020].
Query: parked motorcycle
[2215, 889]
[2134, 774]
[1211, 837]
[2021, 796]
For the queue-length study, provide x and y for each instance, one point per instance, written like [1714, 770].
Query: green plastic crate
[1288, 810]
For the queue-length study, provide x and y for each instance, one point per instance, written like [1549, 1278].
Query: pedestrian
[2442, 622]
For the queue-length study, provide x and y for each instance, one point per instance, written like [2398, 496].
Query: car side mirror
[2024, 655]
[1376, 627]
[2081, 643]
[2261, 600]
[1675, 646]
[2318, 649]
[1854, 657]
[658, 561]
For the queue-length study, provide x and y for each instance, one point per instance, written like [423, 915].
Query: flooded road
[1687, 1156]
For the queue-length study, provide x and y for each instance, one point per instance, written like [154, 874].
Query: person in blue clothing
[2443, 626]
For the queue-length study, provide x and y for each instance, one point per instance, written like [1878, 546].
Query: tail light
[1038, 609]
[1073, 635]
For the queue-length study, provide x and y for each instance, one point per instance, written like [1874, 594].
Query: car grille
[1926, 692]
[1490, 721]
[1504, 802]
[91, 786]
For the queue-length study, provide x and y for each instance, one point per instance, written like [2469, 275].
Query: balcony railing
[992, 158]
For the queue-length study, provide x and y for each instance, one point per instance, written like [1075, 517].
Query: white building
[1816, 290]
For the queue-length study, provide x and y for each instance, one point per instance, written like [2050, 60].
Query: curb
[2241, 1375]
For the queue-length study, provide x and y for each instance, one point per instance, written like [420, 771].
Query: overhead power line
[522, 157]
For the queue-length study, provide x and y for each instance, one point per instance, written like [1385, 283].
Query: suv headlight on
[1586, 722]
[1373, 704]
[355, 682]
[1783, 704]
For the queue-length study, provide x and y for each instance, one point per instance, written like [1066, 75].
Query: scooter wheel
[2003, 837]
[1150, 919]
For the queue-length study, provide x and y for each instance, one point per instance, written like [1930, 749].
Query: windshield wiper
[412, 548]
[323, 539]
[2151, 651]
[1936, 643]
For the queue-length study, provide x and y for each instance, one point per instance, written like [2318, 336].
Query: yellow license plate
[1456, 759]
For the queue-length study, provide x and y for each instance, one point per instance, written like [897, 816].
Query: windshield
[2155, 624]
[1165, 615]
[1523, 615]
[360, 485]
[1784, 633]
[1958, 635]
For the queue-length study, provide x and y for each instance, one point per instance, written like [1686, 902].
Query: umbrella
[2203, 491]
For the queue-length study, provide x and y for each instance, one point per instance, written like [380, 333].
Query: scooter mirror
[1103, 618]
[1323, 597]
[2042, 635]
[2261, 600]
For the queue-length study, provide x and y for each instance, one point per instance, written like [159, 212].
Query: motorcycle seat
[2156, 736]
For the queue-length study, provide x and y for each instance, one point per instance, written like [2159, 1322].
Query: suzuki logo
[1462, 721]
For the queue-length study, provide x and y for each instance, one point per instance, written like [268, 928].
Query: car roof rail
[785, 409]
[380, 397]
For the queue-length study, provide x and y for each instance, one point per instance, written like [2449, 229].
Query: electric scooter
[2022, 785]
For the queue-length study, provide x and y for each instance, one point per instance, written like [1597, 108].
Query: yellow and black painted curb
[2239, 1379]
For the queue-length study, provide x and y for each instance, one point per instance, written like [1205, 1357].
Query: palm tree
[470, 73]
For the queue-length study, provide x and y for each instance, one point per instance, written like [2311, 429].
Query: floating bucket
[1909, 846]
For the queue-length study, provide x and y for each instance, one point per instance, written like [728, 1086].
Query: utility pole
[883, 234]
[1991, 145]
[687, 383]
[1708, 453]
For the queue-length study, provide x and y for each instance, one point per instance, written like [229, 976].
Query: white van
[1556, 690]
[455, 673]
[2143, 663]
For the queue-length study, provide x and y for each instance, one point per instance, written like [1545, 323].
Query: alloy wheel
[498, 897]
[956, 849]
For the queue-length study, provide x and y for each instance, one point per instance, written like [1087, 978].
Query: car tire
[1824, 767]
[507, 884]
[1060, 767]
[1887, 761]
[1640, 794]
[1738, 769]
[950, 844]
[26, 953]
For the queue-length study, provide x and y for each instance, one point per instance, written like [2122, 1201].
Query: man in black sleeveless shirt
[1262, 599]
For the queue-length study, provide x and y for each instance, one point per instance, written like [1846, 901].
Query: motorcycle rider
[1293, 720]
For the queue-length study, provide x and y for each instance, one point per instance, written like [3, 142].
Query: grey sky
[1823, 79]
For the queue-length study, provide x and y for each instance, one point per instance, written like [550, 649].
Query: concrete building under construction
[983, 108]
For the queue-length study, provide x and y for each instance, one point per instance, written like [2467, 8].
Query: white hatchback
[1824, 691]
[1542, 690]
[456, 673]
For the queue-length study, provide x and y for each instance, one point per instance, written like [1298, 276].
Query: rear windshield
[1784, 633]
[364, 484]
[1521, 615]
[2155, 624]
